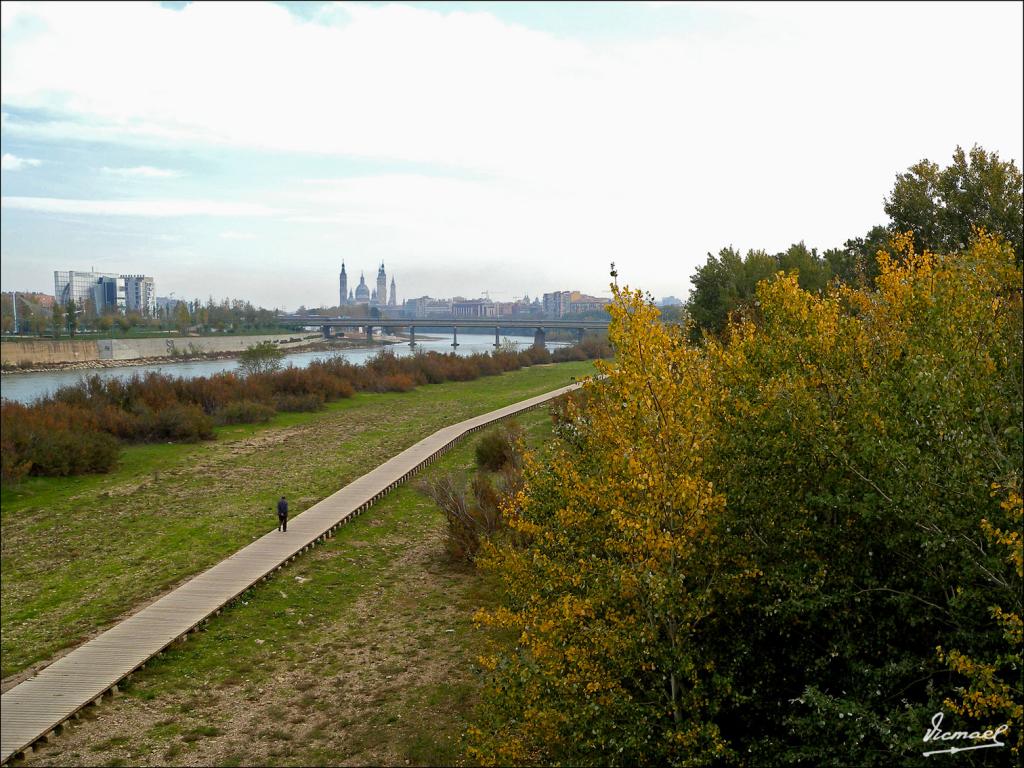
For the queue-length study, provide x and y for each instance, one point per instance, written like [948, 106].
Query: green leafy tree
[941, 207]
[724, 284]
[813, 271]
[264, 357]
[57, 321]
[71, 313]
[182, 319]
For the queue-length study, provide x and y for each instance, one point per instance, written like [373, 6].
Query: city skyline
[493, 148]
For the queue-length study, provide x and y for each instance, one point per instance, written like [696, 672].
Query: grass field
[359, 653]
[78, 553]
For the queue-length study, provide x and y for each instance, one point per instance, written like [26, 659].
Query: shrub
[245, 412]
[462, 369]
[431, 367]
[397, 382]
[473, 514]
[535, 356]
[187, 423]
[13, 466]
[500, 447]
[114, 421]
[297, 403]
[264, 357]
[60, 440]
[506, 360]
[565, 354]
[72, 452]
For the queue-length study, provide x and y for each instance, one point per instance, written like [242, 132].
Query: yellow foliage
[625, 556]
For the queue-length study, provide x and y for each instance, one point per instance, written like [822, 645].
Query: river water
[26, 387]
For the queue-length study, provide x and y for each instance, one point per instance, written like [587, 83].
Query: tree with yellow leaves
[748, 550]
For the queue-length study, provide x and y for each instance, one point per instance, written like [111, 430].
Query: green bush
[499, 446]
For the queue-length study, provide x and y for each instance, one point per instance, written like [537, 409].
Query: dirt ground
[396, 643]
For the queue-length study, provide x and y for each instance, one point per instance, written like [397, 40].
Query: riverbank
[84, 365]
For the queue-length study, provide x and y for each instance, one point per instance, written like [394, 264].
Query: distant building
[106, 291]
[140, 295]
[362, 291]
[363, 294]
[166, 305]
[425, 308]
[382, 287]
[41, 300]
[588, 304]
[474, 308]
[557, 303]
[79, 287]
[670, 301]
[561, 303]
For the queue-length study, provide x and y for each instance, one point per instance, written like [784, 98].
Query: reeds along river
[26, 387]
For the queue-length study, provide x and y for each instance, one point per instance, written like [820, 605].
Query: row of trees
[226, 315]
[939, 207]
[791, 544]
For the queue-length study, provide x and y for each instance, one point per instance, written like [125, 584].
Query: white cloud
[231, 235]
[13, 163]
[143, 171]
[157, 208]
[773, 123]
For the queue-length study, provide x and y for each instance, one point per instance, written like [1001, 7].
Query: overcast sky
[245, 150]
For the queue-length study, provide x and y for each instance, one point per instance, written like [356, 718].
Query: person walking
[282, 515]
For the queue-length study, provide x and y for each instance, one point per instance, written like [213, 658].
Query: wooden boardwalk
[35, 709]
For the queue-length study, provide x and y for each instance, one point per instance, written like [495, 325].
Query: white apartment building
[140, 296]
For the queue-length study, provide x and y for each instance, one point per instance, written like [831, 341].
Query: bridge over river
[366, 325]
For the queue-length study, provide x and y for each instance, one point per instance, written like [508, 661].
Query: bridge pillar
[412, 336]
[497, 341]
[455, 336]
[539, 338]
[369, 333]
[579, 335]
[326, 331]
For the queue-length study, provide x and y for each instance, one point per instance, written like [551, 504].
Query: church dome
[362, 290]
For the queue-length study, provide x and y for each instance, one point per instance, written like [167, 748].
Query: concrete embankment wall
[13, 353]
[132, 349]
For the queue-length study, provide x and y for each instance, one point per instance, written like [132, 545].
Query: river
[26, 387]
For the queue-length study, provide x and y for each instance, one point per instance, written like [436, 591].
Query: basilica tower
[343, 280]
[393, 297]
[382, 286]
